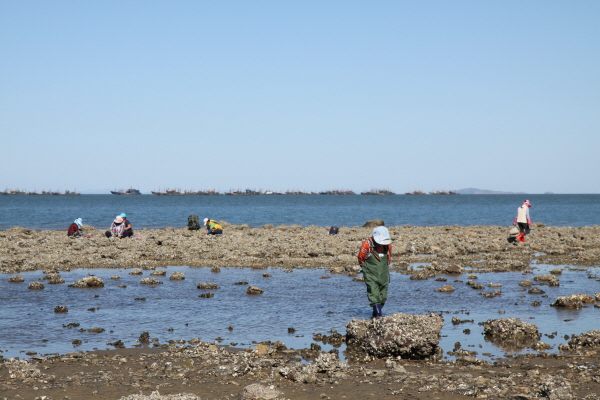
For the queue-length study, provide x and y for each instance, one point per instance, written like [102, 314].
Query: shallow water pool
[302, 300]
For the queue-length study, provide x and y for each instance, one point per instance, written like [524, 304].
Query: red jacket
[72, 229]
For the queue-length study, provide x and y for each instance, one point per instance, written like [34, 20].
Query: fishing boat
[414, 192]
[247, 192]
[127, 192]
[337, 192]
[377, 192]
[17, 192]
[168, 192]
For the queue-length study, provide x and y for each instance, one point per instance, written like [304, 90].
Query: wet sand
[212, 372]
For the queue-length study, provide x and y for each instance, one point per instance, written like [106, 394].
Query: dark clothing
[374, 260]
[128, 232]
[214, 231]
[523, 227]
[73, 230]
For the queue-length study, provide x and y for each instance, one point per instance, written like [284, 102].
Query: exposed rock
[556, 388]
[150, 281]
[552, 280]
[590, 339]
[511, 332]
[177, 276]
[144, 337]
[54, 278]
[254, 290]
[205, 285]
[16, 278]
[88, 281]
[61, 309]
[475, 285]
[158, 272]
[573, 301]
[21, 369]
[326, 363]
[535, 290]
[136, 271]
[157, 396]
[257, 391]
[404, 335]
[35, 285]
[445, 289]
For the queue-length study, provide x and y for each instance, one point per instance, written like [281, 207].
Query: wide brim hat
[381, 235]
[118, 220]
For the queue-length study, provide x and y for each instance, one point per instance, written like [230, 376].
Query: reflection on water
[300, 300]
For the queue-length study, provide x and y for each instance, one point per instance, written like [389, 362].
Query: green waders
[377, 277]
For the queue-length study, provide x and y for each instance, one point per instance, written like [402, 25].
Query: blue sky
[308, 95]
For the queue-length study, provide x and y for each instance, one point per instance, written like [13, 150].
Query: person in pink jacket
[523, 220]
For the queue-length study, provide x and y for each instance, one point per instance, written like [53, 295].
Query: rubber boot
[377, 310]
[521, 237]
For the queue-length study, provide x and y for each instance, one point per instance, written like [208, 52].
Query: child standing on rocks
[374, 258]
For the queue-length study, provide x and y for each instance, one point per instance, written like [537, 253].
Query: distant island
[484, 191]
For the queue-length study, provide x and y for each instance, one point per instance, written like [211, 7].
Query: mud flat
[198, 370]
[484, 248]
[191, 369]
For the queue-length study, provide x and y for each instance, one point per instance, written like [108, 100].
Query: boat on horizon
[13, 192]
[168, 192]
[414, 192]
[377, 192]
[337, 192]
[247, 192]
[127, 192]
[17, 192]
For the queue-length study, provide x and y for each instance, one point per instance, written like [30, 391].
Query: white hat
[205, 221]
[381, 235]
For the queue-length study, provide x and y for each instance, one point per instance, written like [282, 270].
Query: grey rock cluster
[403, 335]
[511, 332]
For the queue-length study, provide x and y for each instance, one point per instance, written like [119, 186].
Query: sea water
[148, 211]
[303, 300]
[299, 300]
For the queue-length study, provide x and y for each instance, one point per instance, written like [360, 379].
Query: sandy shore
[212, 372]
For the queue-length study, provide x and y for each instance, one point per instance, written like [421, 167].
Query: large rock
[88, 281]
[573, 301]
[589, 340]
[511, 333]
[404, 335]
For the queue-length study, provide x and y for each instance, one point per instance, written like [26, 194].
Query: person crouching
[213, 227]
[75, 228]
[374, 258]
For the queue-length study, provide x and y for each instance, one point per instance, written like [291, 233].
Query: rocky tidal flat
[398, 356]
